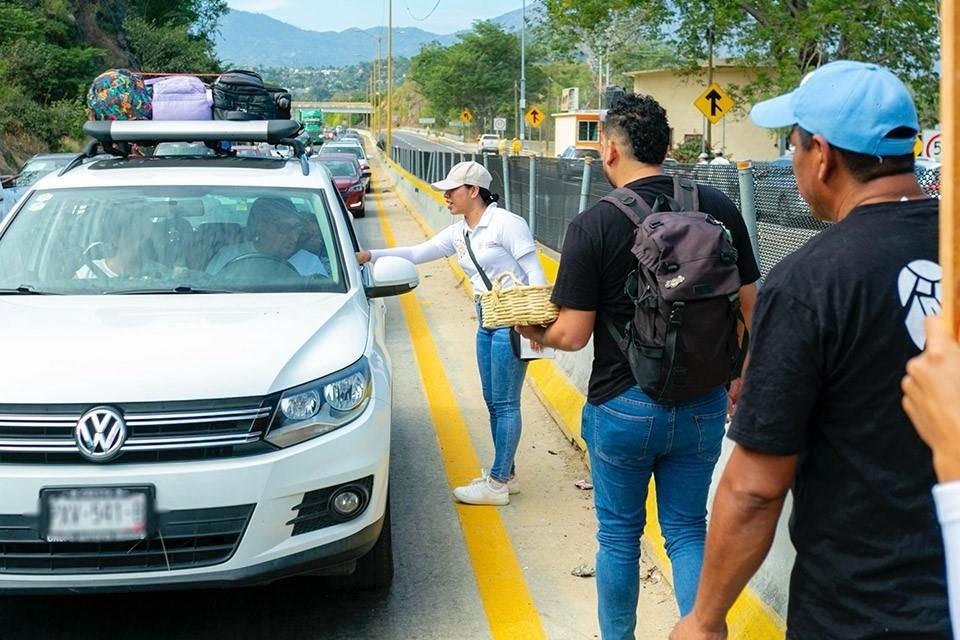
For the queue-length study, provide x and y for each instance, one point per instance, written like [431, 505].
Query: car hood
[89, 349]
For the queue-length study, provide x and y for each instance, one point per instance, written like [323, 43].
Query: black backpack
[683, 338]
[242, 95]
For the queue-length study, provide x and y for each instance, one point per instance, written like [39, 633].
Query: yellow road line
[509, 606]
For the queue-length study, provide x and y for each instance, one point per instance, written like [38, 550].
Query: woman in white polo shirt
[499, 241]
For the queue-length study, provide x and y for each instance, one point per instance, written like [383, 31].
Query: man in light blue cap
[820, 412]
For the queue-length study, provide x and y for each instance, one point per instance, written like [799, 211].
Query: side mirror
[392, 276]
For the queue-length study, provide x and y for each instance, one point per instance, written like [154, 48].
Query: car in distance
[357, 151]
[572, 159]
[233, 424]
[348, 178]
[579, 153]
[488, 143]
[182, 149]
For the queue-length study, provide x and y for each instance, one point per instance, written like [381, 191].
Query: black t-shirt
[835, 324]
[596, 261]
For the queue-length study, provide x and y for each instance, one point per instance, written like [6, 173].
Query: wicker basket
[517, 305]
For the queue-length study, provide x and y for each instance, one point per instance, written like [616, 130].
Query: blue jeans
[629, 438]
[501, 376]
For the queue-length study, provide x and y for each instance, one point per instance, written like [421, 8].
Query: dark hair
[488, 197]
[641, 121]
[865, 167]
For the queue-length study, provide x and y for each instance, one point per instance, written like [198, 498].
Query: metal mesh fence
[784, 221]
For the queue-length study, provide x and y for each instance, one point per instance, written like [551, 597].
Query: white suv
[197, 391]
[489, 143]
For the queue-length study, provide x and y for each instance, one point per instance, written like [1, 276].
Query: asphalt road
[419, 143]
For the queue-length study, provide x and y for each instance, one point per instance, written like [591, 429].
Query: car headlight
[321, 406]
[356, 187]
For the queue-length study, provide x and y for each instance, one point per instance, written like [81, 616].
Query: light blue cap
[854, 105]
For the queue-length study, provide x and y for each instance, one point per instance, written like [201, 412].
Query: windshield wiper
[181, 288]
[27, 289]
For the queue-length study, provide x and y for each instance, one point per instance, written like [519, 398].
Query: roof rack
[116, 136]
[149, 131]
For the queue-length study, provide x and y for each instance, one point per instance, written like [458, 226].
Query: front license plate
[97, 514]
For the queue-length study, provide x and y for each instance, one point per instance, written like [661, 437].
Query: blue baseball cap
[854, 105]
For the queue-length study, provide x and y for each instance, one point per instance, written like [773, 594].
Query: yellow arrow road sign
[535, 117]
[466, 116]
[714, 103]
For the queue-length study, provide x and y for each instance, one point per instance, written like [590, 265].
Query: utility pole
[516, 108]
[709, 78]
[523, 65]
[389, 76]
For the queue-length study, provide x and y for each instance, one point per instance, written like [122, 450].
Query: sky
[337, 15]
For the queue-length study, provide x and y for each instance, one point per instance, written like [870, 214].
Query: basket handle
[498, 281]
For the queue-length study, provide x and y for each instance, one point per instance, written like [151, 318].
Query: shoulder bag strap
[483, 274]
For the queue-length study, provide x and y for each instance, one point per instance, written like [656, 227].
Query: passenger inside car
[310, 257]
[274, 227]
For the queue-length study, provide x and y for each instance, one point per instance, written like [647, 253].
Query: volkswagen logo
[100, 433]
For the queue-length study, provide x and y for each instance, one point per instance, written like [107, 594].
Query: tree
[172, 49]
[783, 39]
[478, 73]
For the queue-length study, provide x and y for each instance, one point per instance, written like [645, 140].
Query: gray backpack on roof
[683, 338]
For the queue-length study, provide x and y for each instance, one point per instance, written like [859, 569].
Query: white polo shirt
[498, 241]
[501, 242]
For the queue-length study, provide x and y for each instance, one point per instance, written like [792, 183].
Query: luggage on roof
[242, 95]
[119, 94]
[181, 98]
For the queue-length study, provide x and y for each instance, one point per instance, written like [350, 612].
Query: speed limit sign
[499, 124]
[931, 145]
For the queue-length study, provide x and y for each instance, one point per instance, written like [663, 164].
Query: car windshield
[182, 149]
[36, 168]
[340, 168]
[179, 239]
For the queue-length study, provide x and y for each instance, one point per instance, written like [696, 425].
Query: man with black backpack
[661, 274]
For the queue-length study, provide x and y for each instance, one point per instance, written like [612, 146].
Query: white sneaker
[513, 484]
[487, 491]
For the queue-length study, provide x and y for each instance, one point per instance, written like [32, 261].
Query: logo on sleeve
[919, 288]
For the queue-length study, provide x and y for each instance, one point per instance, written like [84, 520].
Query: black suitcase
[242, 95]
[282, 100]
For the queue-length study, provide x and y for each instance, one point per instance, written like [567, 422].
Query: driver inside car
[128, 255]
[273, 226]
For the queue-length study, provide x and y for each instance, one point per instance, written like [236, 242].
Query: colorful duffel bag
[181, 98]
[119, 94]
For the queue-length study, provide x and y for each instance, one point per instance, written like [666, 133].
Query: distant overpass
[333, 107]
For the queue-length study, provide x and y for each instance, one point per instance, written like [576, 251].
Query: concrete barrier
[561, 384]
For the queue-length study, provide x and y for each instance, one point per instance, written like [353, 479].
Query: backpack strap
[674, 320]
[630, 204]
[686, 193]
[636, 209]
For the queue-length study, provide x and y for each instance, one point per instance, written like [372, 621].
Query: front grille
[156, 431]
[183, 540]
[315, 511]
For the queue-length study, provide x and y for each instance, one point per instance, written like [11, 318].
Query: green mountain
[253, 39]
